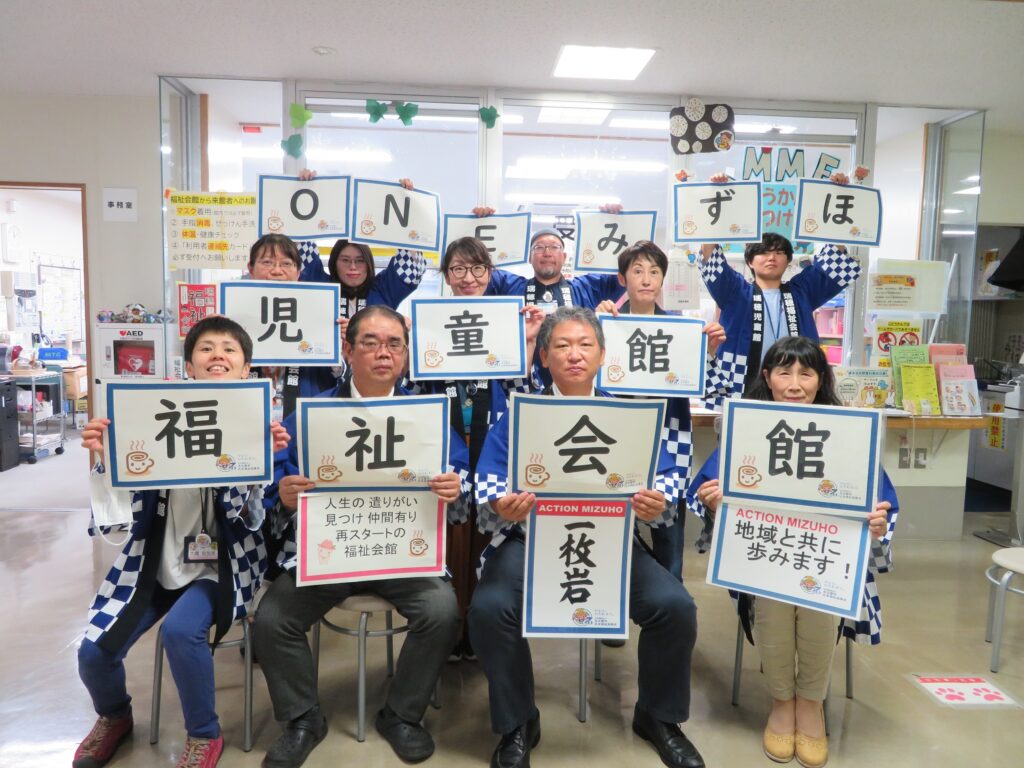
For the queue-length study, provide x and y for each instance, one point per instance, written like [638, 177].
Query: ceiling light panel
[601, 63]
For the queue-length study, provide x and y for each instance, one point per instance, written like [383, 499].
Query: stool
[1011, 562]
[581, 713]
[365, 605]
[245, 643]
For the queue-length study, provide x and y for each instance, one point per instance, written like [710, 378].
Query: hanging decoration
[698, 127]
[293, 146]
[376, 109]
[406, 110]
[299, 115]
[489, 115]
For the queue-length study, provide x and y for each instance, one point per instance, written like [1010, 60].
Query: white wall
[1002, 179]
[101, 141]
[899, 173]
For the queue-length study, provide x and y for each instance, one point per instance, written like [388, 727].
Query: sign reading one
[290, 323]
[839, 213]
[385, 213]
[304, 210]
[578, 554]
[583, 446]
[717, 213]
[188, 434]
[372, 443]
[460, 338]
[505, 235]
[601, 237]
[660, 355]
[800, 457]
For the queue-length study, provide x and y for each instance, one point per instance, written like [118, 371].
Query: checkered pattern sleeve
[401, 277]
[244, 503]
[458, 510]
[489, 488]
[867, 627]
[718, 382]
[312, 269]
[409, 266]
[838, 265]
[670, 484]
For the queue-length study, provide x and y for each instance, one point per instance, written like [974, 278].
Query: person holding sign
[797, 643]
[376, 342]
[194, 556]
[475, 406]
[572, 347]
[756, 314]
[642, 270]
[351, 266]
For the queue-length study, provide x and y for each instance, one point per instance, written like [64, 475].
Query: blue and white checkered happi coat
[247, 553]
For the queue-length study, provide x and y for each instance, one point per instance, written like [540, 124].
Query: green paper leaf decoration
[375, 109]
[406, 110]
[489, 115]
[293, 146]
[299, 115]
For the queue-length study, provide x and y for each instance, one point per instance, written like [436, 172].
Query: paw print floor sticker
[964, 692]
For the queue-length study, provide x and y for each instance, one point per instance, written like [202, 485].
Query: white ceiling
[937, 53]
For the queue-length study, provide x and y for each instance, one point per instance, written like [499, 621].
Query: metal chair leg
[315, 650]
[849, 668]
[435, 696]
[158, 677]
[247, 707]
[597, 660]
[391, 643]
[581, 713]
[737, 669]
[997, 618]
[991, 602]
[824, 706]
[361, 723]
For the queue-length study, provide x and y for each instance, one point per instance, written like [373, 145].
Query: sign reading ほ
[839, 213]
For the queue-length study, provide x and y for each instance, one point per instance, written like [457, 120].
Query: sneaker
[103, 740]
[467, 650]
[456, 653]
[201, 753]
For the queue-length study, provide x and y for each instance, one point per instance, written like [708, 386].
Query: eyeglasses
[546, 248]
[283, 264]
[459, 272]
[394, 346]
[352, 263]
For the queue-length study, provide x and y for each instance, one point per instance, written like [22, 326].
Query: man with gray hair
[572, 347]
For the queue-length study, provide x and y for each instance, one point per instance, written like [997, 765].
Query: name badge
[200, 549]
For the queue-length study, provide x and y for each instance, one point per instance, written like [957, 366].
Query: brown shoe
[811, 753]
[103, 740]
[779, 746]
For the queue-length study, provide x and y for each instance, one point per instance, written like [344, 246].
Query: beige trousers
[796, 646]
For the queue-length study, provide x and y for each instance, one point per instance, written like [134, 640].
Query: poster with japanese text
[304, 210]
[577, 568]
[462, 338]
[717, 213]
[195, 301]
[290, 323]
[797, 557]
[681, 289]
[601, 237]
[387, 533]
[189, 433]
[889, 333]
[792, 456]
[838, 213]
[209, 230]
[583, 446]
[660, 355]
[904, 286]
[505, 235]
[372, 443]
[385, 213]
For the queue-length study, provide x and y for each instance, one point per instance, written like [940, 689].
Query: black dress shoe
[514, 748]
[613, 643]
[410, 741]
[673, 747]
[300, 736]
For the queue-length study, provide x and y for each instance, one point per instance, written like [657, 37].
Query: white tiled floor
[934, 609]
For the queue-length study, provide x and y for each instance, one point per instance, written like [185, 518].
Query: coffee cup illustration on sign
[536, 473]
[417, 544]
[327, 472]
[747, 475]
[137, 461]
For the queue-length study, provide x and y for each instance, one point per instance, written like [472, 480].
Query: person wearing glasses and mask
[376, 343]
[475, 406]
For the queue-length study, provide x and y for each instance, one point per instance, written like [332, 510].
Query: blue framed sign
[304, 210]
[601, 237]
[801, 457]
[289, 323]
[373, 442]
[188, 433]
[799, 557]
[385, 213]
[706, 212]
[468, 338]
[505, 235]
[838, 213]
[569, 447]
[659, 355]
[577, 569]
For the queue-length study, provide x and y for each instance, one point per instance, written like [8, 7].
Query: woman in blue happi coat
[797, 643]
